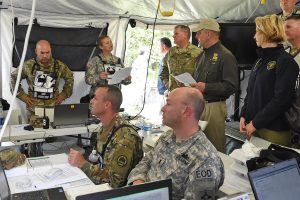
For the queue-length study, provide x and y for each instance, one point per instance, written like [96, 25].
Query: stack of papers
[185, 78]
[119, 75]
[45, 172]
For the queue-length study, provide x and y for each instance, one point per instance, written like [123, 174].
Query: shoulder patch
[204, 173]
[271, 65]
[122, 160]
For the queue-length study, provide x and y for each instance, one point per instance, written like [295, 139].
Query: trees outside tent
[138, 43]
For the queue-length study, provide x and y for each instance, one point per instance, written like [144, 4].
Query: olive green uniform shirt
[122, 153]
[28, 73]
[179, 60]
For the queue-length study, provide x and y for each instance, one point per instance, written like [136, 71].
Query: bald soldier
[118, 146]
[183, 154]
[43, 75]
[180, 58]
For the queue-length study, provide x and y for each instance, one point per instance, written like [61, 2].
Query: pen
[29, 163]
[39, 158]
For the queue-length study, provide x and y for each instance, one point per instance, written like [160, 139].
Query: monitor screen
[280, 181]
[156, 190]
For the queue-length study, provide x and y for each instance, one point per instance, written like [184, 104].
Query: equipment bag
[274, 154]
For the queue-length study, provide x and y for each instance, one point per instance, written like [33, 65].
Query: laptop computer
[70, 115]
[158, 190]
[276, 182]
[46, 194]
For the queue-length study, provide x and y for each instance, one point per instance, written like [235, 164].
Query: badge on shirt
[204, 173]
[215, 57]
[122, 160]
[271, 65]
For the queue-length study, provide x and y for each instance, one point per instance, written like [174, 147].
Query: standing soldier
[100, 67]
[288, 8]
[180, 58]
[43, 75]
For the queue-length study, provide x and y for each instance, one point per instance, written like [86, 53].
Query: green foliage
[137, 38]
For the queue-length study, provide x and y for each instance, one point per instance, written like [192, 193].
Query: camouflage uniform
[179, 60]
[95, 66]
[193, 165]
[11, 158]
[121, 154]
[297, 12]
[28, 72]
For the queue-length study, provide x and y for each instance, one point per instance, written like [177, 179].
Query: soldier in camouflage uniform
[288, 8]
[118, 146]
[180, 58]
[43, 75]
[101, 66]
[11, 158]
[183, 154]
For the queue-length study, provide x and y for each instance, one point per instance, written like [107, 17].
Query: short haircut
[271, 26]
[196, 100]
[166, 41]
[102, 37]
[186, 29]
[114, 95]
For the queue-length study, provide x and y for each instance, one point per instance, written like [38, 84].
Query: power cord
[150, 53]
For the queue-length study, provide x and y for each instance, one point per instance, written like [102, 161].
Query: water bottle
[2, 118]
[147, 127]
[45, 122]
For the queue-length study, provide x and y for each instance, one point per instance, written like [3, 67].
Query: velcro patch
[122, 160]
[204, 173]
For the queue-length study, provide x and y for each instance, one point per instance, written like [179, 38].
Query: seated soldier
[118, 146]
[183, 154]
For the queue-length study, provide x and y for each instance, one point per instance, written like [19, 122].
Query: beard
[45, 61]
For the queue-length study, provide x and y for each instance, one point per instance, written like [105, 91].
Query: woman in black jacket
[271, 85]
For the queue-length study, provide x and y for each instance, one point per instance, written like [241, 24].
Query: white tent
[97, 13]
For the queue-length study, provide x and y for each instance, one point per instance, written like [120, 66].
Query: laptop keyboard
[35, 195]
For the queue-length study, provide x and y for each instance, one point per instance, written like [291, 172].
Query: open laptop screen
[158, 190]
[279, 181]
[70, 115]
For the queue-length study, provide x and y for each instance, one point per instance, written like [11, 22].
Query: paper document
[43, 172]
[185, 78]
[119, 75]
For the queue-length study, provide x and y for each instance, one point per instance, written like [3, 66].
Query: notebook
[276, 182]
[158, 190]
[46, 194]
[70, 115]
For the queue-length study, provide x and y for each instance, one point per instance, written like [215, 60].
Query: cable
[253, 11]
[19, 70]
[151, 46]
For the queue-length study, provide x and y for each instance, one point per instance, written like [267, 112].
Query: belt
[213, 101]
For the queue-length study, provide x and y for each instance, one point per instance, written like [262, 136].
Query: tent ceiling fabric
[145, 10]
